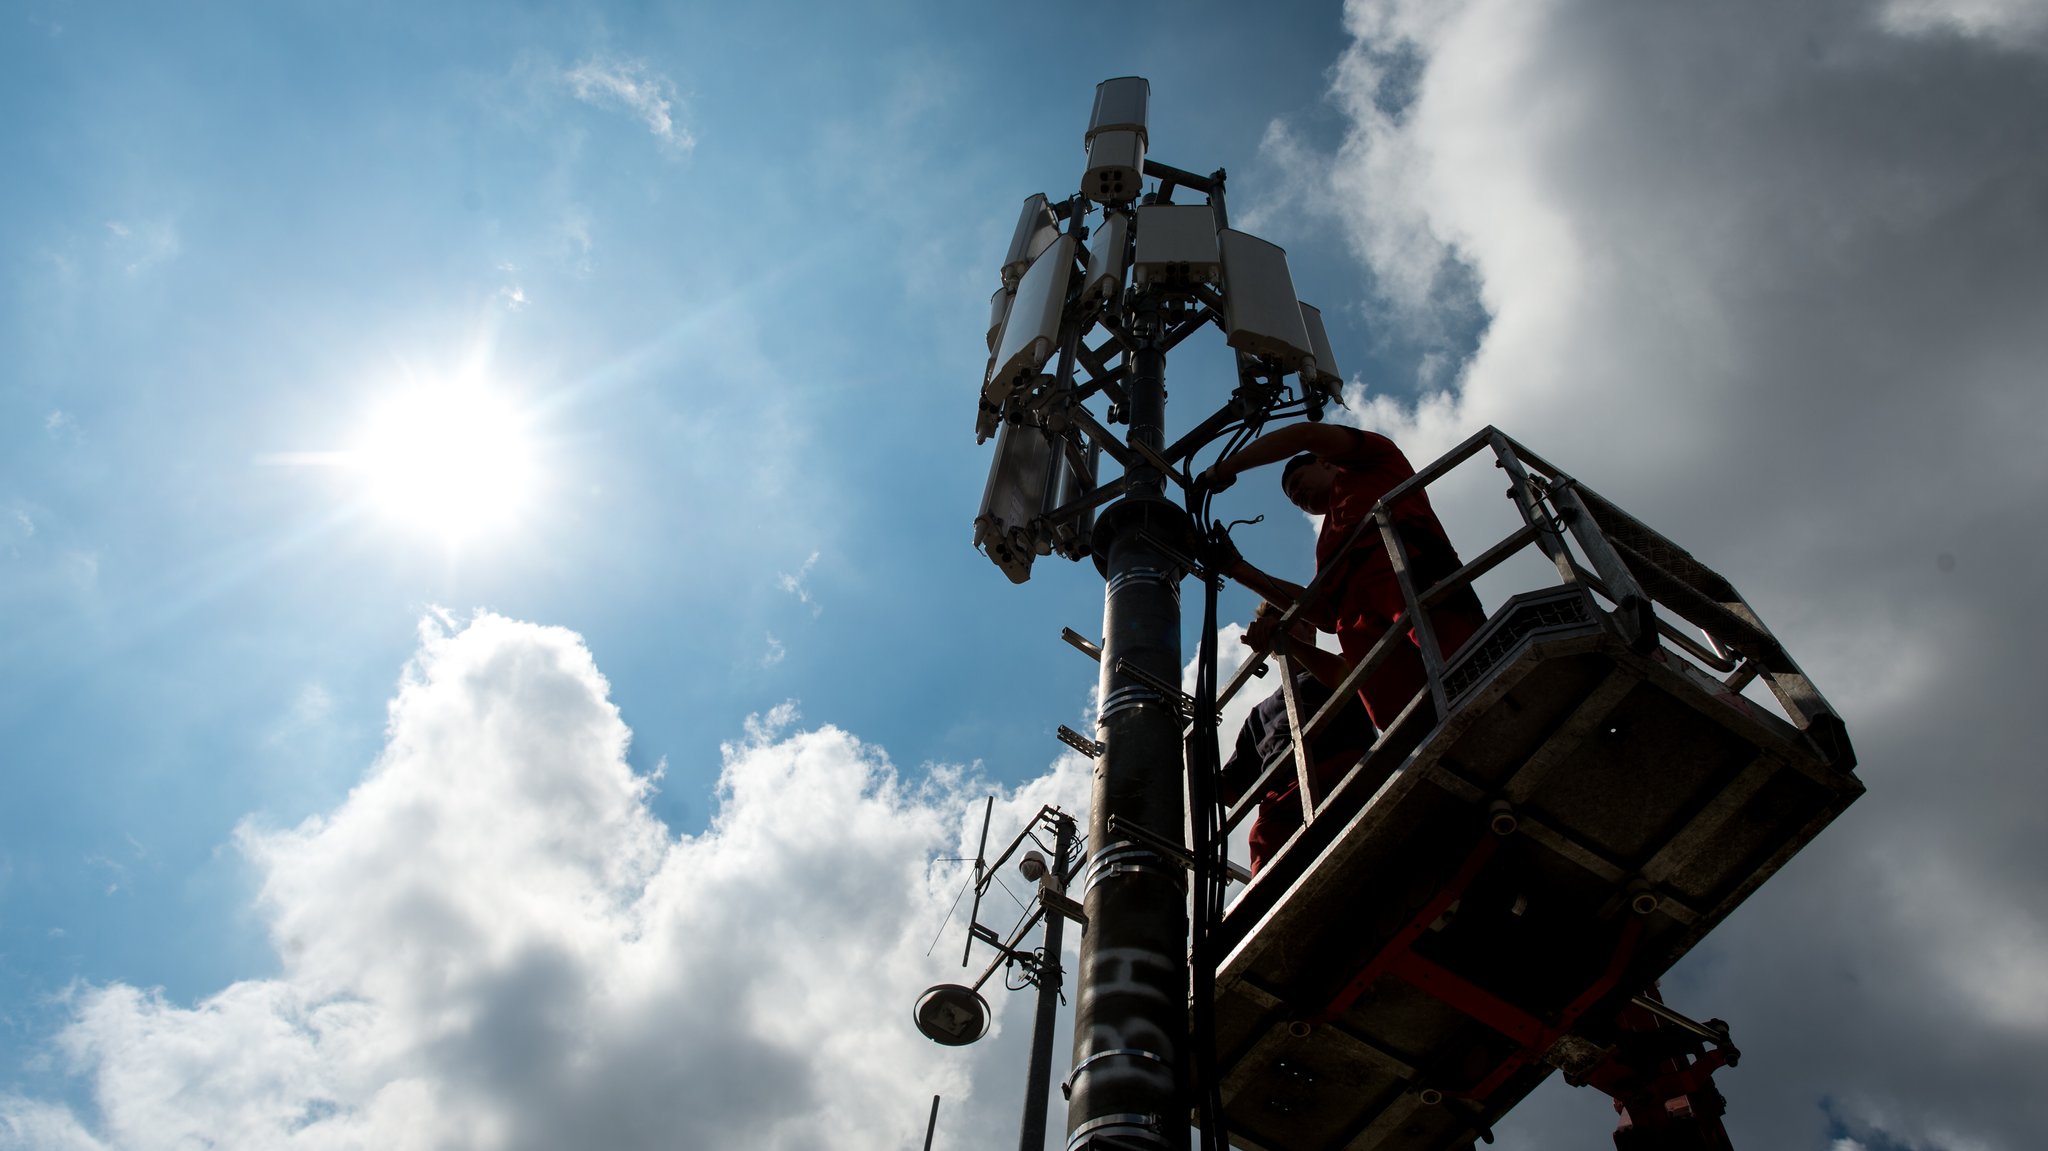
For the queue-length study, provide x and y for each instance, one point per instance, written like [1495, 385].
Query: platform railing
[1623, 561]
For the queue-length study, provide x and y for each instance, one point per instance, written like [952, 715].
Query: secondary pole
[1038, 1083]
[1130, 1013]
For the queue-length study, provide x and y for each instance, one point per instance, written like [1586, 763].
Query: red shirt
[1372, 468]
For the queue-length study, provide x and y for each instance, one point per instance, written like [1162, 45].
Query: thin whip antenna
[988, 811]
[1012, 895]
[947, 920]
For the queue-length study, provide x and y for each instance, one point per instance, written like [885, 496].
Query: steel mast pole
[1038, 1083]
[1130, 1016]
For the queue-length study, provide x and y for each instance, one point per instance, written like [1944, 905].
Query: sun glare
[454, 461]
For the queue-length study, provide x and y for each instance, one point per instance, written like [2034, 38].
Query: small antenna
[980, 868]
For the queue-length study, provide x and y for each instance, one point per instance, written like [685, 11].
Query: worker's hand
[1298, 632]
[1223, 553]
[1262, 631]
[1301, 632]
[1215, 478]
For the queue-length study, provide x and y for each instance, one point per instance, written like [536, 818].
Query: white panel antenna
[1321, 369]
[1037, 228]
[1105, 278]
[989, 415]
[1072, 538]
[1121, 104]
[1116, 166]
[1116, 140]
[1176, 245]
[1261, 315]
[998, 311]
[1031, 334]
[1023, 481]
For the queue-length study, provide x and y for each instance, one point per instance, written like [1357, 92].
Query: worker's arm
[1327, 666]
[1271, 588]
[1278, 593]
[1325, 440]
[1281, 593]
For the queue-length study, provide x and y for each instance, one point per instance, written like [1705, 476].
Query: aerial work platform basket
[1579, 794]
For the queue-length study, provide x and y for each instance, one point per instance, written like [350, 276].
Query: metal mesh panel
[1487, 652]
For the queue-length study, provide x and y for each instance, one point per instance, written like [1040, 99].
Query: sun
[452, 460]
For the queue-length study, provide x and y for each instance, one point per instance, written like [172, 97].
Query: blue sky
[743, 343]
[731, 267]
[738, 352]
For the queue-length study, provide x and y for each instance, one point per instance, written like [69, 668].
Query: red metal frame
[1403, 939]
[1671, 1105]
[1533, 1035]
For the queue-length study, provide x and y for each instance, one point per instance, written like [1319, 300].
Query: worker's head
[1307, 481]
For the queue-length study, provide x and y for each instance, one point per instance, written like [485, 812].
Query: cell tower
[1572, 799]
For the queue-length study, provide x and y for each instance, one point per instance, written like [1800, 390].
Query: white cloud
[36, 1126]
[493, 944]
[116, 872]
[2014, 22]
[59, 422]
[576, 240]
[143, 244]
[632, 85]
[1769, 274]
[79, 570]
[312, 705]
[1985, 961]
[309, 714]
[775, 652]
[793, 583]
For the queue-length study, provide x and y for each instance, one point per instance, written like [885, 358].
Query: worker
[1266, 735]
[1341, 473]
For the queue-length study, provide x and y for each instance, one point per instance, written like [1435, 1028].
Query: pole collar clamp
[1142, 1130]
[1126, 857]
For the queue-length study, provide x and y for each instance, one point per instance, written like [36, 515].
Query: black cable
[1016, 977]
[1012, 895]
[1207, 823]
[1209, 849]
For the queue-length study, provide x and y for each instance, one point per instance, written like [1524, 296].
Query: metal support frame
[1042, 967]
[1633, 568]
[1661, 1077]
[1304, 778]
